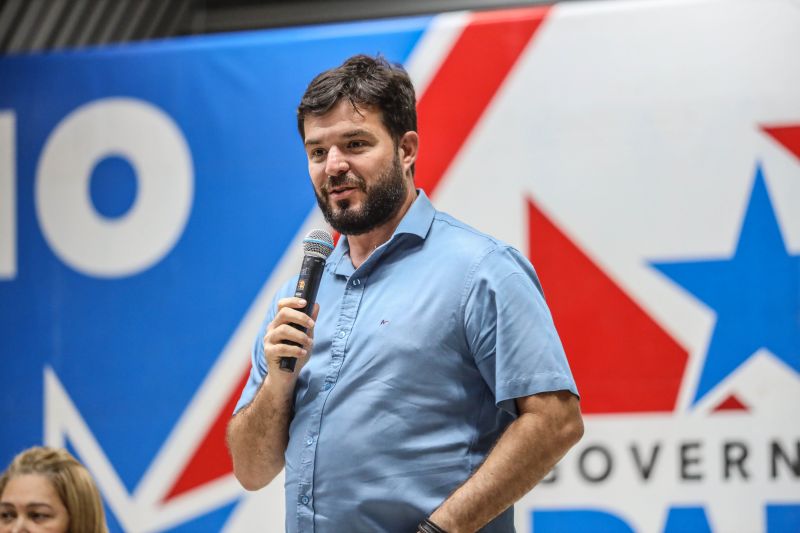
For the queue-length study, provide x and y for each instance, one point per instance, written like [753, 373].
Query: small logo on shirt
[384, 322]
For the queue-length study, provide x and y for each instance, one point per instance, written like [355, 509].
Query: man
[437, 392]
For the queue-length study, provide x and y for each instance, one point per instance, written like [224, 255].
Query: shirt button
[327, 385]
[356, 282]
[309, 441]
[342, 334]
[304, 500]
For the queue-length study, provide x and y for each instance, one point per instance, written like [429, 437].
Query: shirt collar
[417, 221]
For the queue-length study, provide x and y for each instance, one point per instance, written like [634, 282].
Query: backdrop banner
[645, 155]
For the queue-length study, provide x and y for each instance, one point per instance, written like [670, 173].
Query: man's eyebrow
[359, 132]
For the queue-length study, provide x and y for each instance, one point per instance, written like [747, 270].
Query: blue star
[755, 293]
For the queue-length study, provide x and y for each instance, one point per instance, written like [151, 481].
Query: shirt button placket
[349, 309]
[305, 515]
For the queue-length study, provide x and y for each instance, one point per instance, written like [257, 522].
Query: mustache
[343, 180]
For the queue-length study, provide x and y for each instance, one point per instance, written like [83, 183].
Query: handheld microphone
[317, 246]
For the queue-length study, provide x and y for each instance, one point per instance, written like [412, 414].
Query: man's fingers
[288, 315]
[287, 350]
[285, 332]
[291, 301]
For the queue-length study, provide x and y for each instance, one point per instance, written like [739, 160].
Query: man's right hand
[280, 330]
[259, 432]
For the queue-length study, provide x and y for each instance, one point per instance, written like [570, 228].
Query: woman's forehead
[30, 488]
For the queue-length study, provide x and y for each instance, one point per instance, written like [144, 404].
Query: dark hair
[366, 82]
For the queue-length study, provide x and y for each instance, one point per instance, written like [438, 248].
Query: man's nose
[336, 162]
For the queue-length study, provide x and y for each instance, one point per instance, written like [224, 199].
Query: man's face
[355, 168]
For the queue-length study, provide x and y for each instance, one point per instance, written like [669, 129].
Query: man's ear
[409, 147]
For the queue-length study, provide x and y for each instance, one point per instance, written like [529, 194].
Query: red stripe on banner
[623, 361]
[211, 460]
[788, 136]
[466, 83]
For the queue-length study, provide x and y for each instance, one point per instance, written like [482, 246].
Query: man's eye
[7, 516]
[317, 153]
[357, 144]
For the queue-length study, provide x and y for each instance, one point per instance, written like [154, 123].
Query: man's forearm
[258, 435]
[523, 455]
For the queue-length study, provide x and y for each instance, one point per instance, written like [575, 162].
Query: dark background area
[37, 25]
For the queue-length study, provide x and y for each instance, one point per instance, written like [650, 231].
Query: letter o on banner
[158, 152]
[607, 464]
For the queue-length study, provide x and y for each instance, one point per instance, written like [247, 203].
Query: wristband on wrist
[428, 526]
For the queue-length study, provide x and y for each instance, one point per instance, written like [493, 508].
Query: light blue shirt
[418, 357]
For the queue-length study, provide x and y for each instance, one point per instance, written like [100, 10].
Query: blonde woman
[48, 490]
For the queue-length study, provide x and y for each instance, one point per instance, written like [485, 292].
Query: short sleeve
[510, 330]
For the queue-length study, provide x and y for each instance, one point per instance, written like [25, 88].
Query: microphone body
[317, 246]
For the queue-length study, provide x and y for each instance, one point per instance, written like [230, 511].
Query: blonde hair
[72, 483]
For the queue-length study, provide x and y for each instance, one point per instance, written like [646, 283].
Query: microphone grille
[318, 242]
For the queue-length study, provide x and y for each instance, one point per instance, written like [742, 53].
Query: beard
[382, 200]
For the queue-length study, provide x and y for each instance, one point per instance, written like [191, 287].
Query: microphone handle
[307, 287]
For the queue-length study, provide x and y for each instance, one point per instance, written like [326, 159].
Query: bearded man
[431, 390]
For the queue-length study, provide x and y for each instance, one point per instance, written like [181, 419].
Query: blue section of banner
[577, 521]
[131, 351]
[682, 519]
[783, 518]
